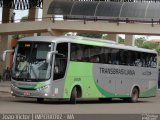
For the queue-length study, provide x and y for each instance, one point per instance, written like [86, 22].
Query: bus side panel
[112, 80]
[57, 89]
[80, 73]
[118, 81]
[150, 77]
[99, 80]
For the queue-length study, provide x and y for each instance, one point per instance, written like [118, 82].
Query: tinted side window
[114, 56]
[131, 58]
[123, 57]
[79, 53]
[60, 61]
[153, 60]
[104, 55]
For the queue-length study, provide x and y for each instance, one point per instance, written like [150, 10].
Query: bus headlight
[42, 88]
[13, 86]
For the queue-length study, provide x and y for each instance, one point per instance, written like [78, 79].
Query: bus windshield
[30, 61]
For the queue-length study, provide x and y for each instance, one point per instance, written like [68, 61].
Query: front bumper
[42, 93]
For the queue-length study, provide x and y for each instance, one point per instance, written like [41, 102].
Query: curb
[5, 95]
[4, 91]
[5, 86]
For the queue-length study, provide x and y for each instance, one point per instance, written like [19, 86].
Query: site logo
[150, 117]
[147, 73]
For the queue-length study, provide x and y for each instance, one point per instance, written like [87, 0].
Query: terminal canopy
[103, 9]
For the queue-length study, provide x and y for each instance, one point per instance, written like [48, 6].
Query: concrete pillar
[9, 48]
[113, 37]
[32, 15]
[46, 4]
[129, 40]
[6, 15]
[3, 46]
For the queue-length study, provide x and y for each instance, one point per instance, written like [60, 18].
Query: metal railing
[28, 4]
[91, 18]
[120, 0]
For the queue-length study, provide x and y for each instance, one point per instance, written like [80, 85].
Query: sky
[22, 13]
[19, 14]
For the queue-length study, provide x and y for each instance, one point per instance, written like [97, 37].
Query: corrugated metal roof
[133, 10]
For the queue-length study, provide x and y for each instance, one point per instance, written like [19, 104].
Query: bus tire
[73, 96]
[40, 100]
[134, 95]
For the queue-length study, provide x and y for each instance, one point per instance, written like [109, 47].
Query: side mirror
[49, 56]
[5, 53]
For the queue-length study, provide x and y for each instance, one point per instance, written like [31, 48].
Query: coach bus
[72, 68]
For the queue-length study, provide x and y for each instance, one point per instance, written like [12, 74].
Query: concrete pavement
[5, 86]
[5, 89]
[116, 106]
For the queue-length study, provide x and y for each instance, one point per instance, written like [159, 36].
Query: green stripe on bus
[150, 92]
[33, 87]
[87, 42]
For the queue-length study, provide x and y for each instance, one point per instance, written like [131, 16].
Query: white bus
[77, 67]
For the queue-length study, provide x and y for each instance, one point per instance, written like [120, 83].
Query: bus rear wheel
[40, 100]
[134, 95]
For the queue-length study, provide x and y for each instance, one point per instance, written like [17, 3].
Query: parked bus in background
[76, 67]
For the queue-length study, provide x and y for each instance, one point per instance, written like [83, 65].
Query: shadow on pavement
[62, 102]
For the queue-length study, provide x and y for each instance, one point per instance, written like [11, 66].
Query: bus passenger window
[123, 57]
[130, 60]
[138, 60]
[152, 61]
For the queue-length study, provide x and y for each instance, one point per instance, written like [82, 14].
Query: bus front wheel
[40, 100]
[73, 96]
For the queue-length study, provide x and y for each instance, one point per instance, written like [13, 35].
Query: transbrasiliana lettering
[117, 71]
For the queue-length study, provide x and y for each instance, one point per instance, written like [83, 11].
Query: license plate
[27, 93]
